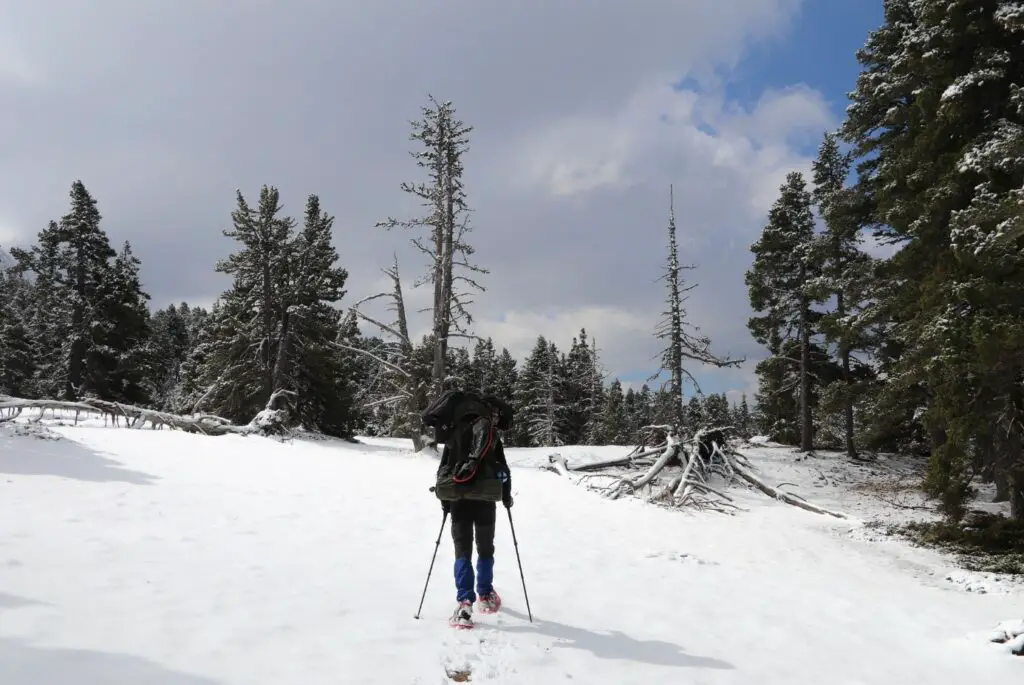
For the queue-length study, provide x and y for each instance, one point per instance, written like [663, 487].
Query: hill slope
[173, 559]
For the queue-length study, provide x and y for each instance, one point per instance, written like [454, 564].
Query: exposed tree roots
[694, 473]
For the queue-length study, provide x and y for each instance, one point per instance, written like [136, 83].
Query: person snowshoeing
[472, 477]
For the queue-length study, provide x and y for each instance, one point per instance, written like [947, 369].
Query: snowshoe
[489, 603]
[462, 618]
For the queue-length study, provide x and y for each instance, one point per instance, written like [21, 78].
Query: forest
[919, 350]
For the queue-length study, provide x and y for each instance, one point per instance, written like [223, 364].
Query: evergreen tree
[17, 356]
[695, 419]
[936, 121]
[274, 333]
[506, 376]
[617, 423]
[89, 312]
[846, 274]
[538, 397]
[716, 411]
[779, 287]
[122, 351]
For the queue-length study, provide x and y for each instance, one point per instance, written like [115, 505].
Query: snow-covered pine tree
[459, 368]
[71, 320]
[778, 284]
[742, 418]
[122, 350]
[694, 418]
[445, 140]
[318, 371]
[846, 274]
[716, 411]
[273, 334]
[506, 375]
[936, 121]
[483, 369]
[538, 398]
[580, 394]
[172, 342]
[17, 352]
[684, 341]
[617, 429]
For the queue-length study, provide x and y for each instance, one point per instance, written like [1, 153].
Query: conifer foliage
[271, 339]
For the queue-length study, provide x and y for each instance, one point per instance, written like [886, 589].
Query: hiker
[471, 478]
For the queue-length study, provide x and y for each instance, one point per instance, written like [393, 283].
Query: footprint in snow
[682, 557]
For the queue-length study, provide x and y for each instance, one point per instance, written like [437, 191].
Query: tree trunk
[806, 427]
[268, 328]
[76, 361]
[1014, 457]
[281, 363]
[844, 354]
[1015, 483]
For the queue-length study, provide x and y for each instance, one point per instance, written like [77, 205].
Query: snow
[159, 557]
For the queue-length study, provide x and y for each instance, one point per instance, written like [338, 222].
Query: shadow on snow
[34, 455]
[614, 645]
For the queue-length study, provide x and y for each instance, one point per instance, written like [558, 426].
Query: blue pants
[472, 519]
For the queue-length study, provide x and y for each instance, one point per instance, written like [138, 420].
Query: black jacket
[469, 440]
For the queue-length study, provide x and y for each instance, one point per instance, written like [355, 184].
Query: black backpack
[451, 416]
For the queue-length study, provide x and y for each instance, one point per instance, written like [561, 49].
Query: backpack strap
[481, 447]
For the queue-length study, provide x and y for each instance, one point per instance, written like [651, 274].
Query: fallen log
[746, 475]
[266, 421]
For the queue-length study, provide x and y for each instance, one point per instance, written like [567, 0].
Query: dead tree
[694, 473]
[445, 140]
[270, 421]
[396, 381]
[684, 341]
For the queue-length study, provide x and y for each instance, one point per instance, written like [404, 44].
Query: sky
[583, 115]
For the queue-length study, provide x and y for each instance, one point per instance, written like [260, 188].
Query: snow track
[170, 559]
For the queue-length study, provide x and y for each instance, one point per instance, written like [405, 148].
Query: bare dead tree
[396, 381]
[445, 140]
[685, 343]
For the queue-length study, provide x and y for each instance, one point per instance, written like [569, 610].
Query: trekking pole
[444, 519]
[520, 562]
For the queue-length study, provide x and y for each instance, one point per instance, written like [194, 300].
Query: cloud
[165, 108]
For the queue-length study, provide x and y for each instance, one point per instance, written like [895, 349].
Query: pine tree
[778, 284]
[83, 287]
[274, 334]
[716, 411]
[506, 375]
[936, 121]
[580, 390]
[846, 274]
[17, 356]
[538, 397]
[122, 350]
[617, 424]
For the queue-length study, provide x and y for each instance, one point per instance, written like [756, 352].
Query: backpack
[453, 415]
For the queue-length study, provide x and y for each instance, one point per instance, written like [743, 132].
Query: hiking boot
[462, 618]
[489, 603]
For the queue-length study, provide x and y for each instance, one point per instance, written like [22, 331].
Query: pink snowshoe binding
[489, 603]
[462, 619]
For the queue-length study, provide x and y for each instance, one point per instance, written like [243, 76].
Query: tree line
[923, 350]
[75, 323]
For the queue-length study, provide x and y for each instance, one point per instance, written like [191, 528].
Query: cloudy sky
[584, 113]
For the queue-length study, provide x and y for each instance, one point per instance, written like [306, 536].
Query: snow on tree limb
[136, 417]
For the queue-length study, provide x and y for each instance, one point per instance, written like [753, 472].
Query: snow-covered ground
[163, 558]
